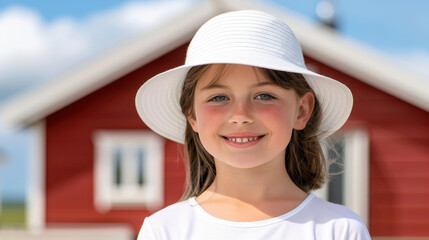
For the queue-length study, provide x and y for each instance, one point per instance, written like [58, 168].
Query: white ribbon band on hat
[246, 37]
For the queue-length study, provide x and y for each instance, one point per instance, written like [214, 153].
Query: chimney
[326, 13]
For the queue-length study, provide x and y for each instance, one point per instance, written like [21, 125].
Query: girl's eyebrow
[259, 84]
[266, 83]
[211, 86]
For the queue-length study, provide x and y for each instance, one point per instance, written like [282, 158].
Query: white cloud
[33, 50]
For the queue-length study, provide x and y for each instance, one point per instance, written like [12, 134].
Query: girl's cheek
[269, 111]
[209, 113]
[274, 114]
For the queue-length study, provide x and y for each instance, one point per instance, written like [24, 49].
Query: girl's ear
[305, 109]
[193, 122]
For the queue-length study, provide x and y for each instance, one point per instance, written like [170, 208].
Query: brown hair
[304, 158]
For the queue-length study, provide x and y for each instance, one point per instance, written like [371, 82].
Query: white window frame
[130, 194]
[356, 173]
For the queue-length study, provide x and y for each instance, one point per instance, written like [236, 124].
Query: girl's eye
[218, 99]
[265, 97]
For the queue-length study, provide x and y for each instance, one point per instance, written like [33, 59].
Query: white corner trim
[357, 167]
[36, 202]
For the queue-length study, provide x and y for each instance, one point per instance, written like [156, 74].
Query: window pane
[117, 158]
[140, 167]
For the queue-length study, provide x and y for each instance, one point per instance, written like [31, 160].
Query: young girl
[251, 117]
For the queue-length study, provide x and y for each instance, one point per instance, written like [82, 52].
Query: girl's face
[245, 120]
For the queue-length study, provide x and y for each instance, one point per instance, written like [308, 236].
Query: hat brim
[157, 100]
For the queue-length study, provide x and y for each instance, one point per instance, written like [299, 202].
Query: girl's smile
[243, 140]
[242, 118]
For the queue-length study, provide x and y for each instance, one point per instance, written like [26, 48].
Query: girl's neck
[268, 182]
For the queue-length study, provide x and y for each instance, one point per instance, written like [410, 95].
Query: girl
[251, 117]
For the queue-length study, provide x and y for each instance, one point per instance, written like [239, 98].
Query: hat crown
[246, 33]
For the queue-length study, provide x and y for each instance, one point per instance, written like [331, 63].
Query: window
[129, 169]
[349, 183]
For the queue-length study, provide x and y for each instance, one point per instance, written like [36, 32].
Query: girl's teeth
[242, 140]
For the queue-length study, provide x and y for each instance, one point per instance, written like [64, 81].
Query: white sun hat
[246, 37]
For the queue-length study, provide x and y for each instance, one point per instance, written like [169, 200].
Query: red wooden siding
[399, 157]
[69, 149]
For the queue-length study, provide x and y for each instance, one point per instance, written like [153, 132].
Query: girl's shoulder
[175, 218]
[333, 216]
[176, 209]
[327, 209]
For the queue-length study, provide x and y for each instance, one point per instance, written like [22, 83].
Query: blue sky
[52, 10]
[36, 35]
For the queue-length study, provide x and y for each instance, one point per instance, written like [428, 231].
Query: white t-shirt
[314, 218]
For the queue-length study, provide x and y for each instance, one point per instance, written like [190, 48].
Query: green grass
[12, 215]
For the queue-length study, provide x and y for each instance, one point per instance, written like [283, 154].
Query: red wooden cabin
[87, 132]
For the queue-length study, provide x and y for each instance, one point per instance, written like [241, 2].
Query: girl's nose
[241, 113]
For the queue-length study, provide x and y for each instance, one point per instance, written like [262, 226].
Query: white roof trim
[317, 42]
[364, 64]
[36, 191]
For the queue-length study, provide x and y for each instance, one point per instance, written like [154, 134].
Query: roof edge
[364, 63]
